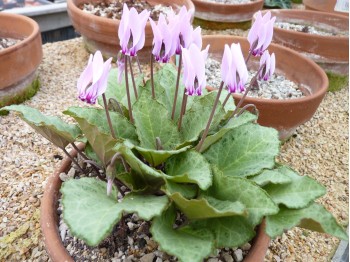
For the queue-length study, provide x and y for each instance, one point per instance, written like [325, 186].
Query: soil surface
[232, 2]
[311, 29]
[7, 42]
[114, 9]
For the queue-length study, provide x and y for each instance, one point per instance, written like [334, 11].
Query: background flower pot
[283, 115]
[220, 16]
[49, 220]
[101, 33]
[18, 63]
[330, 52]
[323, 6]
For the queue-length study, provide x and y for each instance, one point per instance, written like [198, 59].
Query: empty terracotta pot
[330, 52]
[285, 115]
[323, 6]
[18, 63]
[101, 33]
[223, 12]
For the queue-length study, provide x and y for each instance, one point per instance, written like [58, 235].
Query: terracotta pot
[100, 33]
[330, 52]
[49, 221]
[283, 115]
[20, 61]
[220, 12]
[323, 6]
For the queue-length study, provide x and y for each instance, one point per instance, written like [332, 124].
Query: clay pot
[330, 52]
[283, 115]
[20, 61]
[49, 220]
[100, 33]
[224, 15]
[323, 6]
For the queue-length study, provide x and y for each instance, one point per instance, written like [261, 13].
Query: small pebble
[238, 255]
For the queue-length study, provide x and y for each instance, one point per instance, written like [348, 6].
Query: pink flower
[182, 28]
[164, 41]
[260, 35]
[234, 71]
[131, 31]
[267, 63]
[121, 66]
[93, 81]
[194, 69]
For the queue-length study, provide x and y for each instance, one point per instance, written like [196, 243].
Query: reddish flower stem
[133, 79]
[152, 80]
[108, 116]
[198, 147]
[177, 86]
[183, 106]
[127, 89]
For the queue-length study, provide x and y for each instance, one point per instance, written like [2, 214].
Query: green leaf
[297, 194]
[91, 215]
[285, 4]
[271, 176]
[164, 85]
[186, 190]
[189, 167]
[256, 200]
[314, 217]
[228, 231]
[118, 90]
[245, 150]
[102, 143]
[52, 128]
[157, 157]
[246, 117]
[152, 121]
[187, 244]
[97, 117]
[207, 207]
[197, 116]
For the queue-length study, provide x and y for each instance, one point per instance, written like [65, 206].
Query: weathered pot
[330, 52]
[214, 15]
[101, 33]
[283, 115]
[323, 6]
[49, 220]
[18, 63]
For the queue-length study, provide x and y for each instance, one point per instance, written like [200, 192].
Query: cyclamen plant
[178, 149]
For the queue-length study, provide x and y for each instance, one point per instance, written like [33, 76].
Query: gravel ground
[319, 149]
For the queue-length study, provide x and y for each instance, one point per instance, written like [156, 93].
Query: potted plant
[19, 58]
[174, 153]
[212, 14]
[100, 33]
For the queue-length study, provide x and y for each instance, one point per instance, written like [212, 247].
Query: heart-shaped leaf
[189, 167]
[197, 116]
[152, 121]
[271, 176]
[296, 194]
[245, 150]
[91, 215]
[52, 128]
[228, 231]
[314, 217]
[208, 207]
[233, 189]
[187, 244]
[246, 117]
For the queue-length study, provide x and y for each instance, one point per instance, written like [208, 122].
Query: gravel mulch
[7, 42]
[310, 29]
[319, 149]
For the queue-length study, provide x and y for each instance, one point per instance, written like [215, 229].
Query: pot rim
[112, 22]
[29, 38]
[214, 4]
[307, 14]
[53, 243]
[319, 93]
